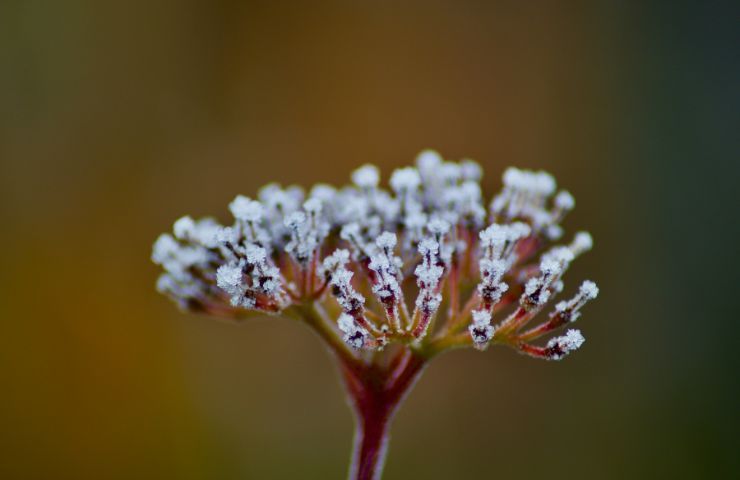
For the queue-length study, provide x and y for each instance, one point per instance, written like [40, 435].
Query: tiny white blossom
[582, 242]
[428, 160]
[244, 208]
[564, 200]
[184, 228]
[367, 176]
[386, 240]
[405, 179]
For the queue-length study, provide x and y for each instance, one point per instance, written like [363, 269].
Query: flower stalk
[388, 280]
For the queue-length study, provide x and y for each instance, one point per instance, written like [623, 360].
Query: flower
[426, 264]
[389, 278]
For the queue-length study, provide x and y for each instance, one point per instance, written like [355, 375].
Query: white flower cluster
[187, 260]
[525, 196]
[287, 247]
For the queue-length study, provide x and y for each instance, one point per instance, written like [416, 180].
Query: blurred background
[116, 118]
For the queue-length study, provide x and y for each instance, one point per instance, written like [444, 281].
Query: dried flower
[426, 266]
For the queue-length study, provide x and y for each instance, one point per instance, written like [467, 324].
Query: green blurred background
[118, 117]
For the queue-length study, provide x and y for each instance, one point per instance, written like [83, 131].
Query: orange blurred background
[119, 117]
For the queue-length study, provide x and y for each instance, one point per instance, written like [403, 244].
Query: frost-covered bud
[295, 220]
[230, 278]
[491, 288]
[367, 177]
[386, 286]
[249, 215]
[582, 242]
[481, 330]
[518, 230]
[177, 259]
[336, 260]
[244, 208]
[471, 171]
[385, 266]
[165, 247]
[559, 347]
[348, 298]
[537, 290]
[386, 241]
[351, 234]
[184, 228]
[325, 193]
[354, 335]
[307, 231]
[499, 241]
[471, 207]
[277, 199]
[405, 179]
[313, 206]
[561, 256]
[428, 161]
[494, 238]
[299, 247]
[543, 183]
[526, 196]
[255, 254]
[450, 173]
[589, 290]
[251, 280]
[553, 232]
[439, 227]
[568, 311]
[202, 232]
[428, 273]
[564, 200]
[428, 279]
[186, 291]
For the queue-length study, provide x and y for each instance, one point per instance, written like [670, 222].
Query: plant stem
[375, 396]
[375, 393]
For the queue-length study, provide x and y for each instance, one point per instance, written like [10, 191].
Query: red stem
[376, 395]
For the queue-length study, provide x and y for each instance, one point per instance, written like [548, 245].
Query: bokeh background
[118, 117]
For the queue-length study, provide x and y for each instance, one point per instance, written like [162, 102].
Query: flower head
[426, 263]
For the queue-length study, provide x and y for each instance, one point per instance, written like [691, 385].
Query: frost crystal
[426, 234]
